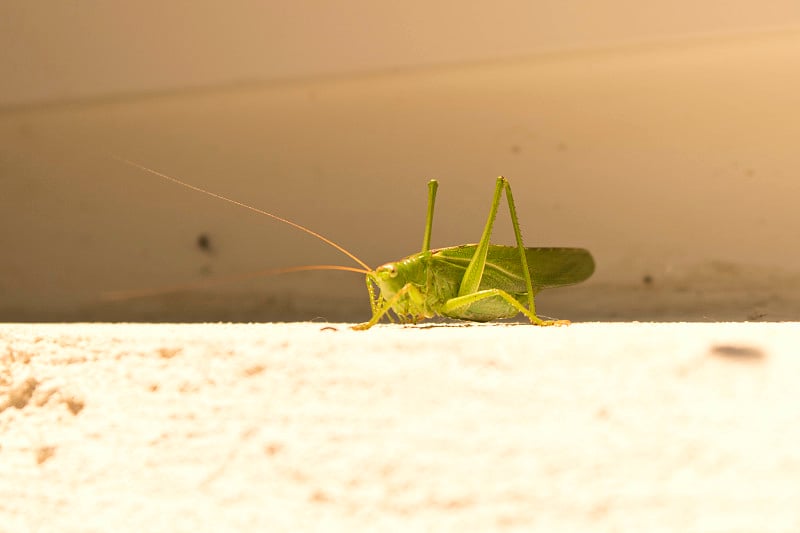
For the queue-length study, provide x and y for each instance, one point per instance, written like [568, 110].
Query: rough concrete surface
[313, 427]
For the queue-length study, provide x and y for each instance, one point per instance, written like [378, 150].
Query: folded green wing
[549, 267]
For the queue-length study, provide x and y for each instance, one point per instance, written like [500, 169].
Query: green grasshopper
[478, 282]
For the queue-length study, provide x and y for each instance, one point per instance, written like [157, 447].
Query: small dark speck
[319, 496]
[756, 315]
[273, 448]
[75, 405]
[253, 370]
[169, 353]
[738, 351]
[204, 242]
[515, 149]
[561, 147]
[647, 279]
[44, 453]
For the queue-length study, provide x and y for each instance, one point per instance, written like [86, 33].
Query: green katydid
[478, 282]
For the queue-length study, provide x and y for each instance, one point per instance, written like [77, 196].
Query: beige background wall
[68, 50]
[672, 157]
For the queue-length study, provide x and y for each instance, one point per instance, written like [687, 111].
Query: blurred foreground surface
[311, 426]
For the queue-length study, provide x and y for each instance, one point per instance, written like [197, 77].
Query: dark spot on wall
[756, 315]
[204, 242]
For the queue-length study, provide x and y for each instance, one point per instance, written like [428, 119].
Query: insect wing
[556, 267]
[549, 267]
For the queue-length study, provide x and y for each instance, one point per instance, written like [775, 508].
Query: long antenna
[143, 293]
[240, 204]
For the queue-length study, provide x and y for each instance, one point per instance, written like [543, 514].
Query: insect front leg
[408, 290]
[373, 299]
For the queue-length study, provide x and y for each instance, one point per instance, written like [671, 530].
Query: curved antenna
[143, 293]
[240, 204]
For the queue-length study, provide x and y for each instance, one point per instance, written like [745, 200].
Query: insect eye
[390, 269]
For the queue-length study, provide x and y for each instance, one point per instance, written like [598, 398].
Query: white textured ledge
[309, 426]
